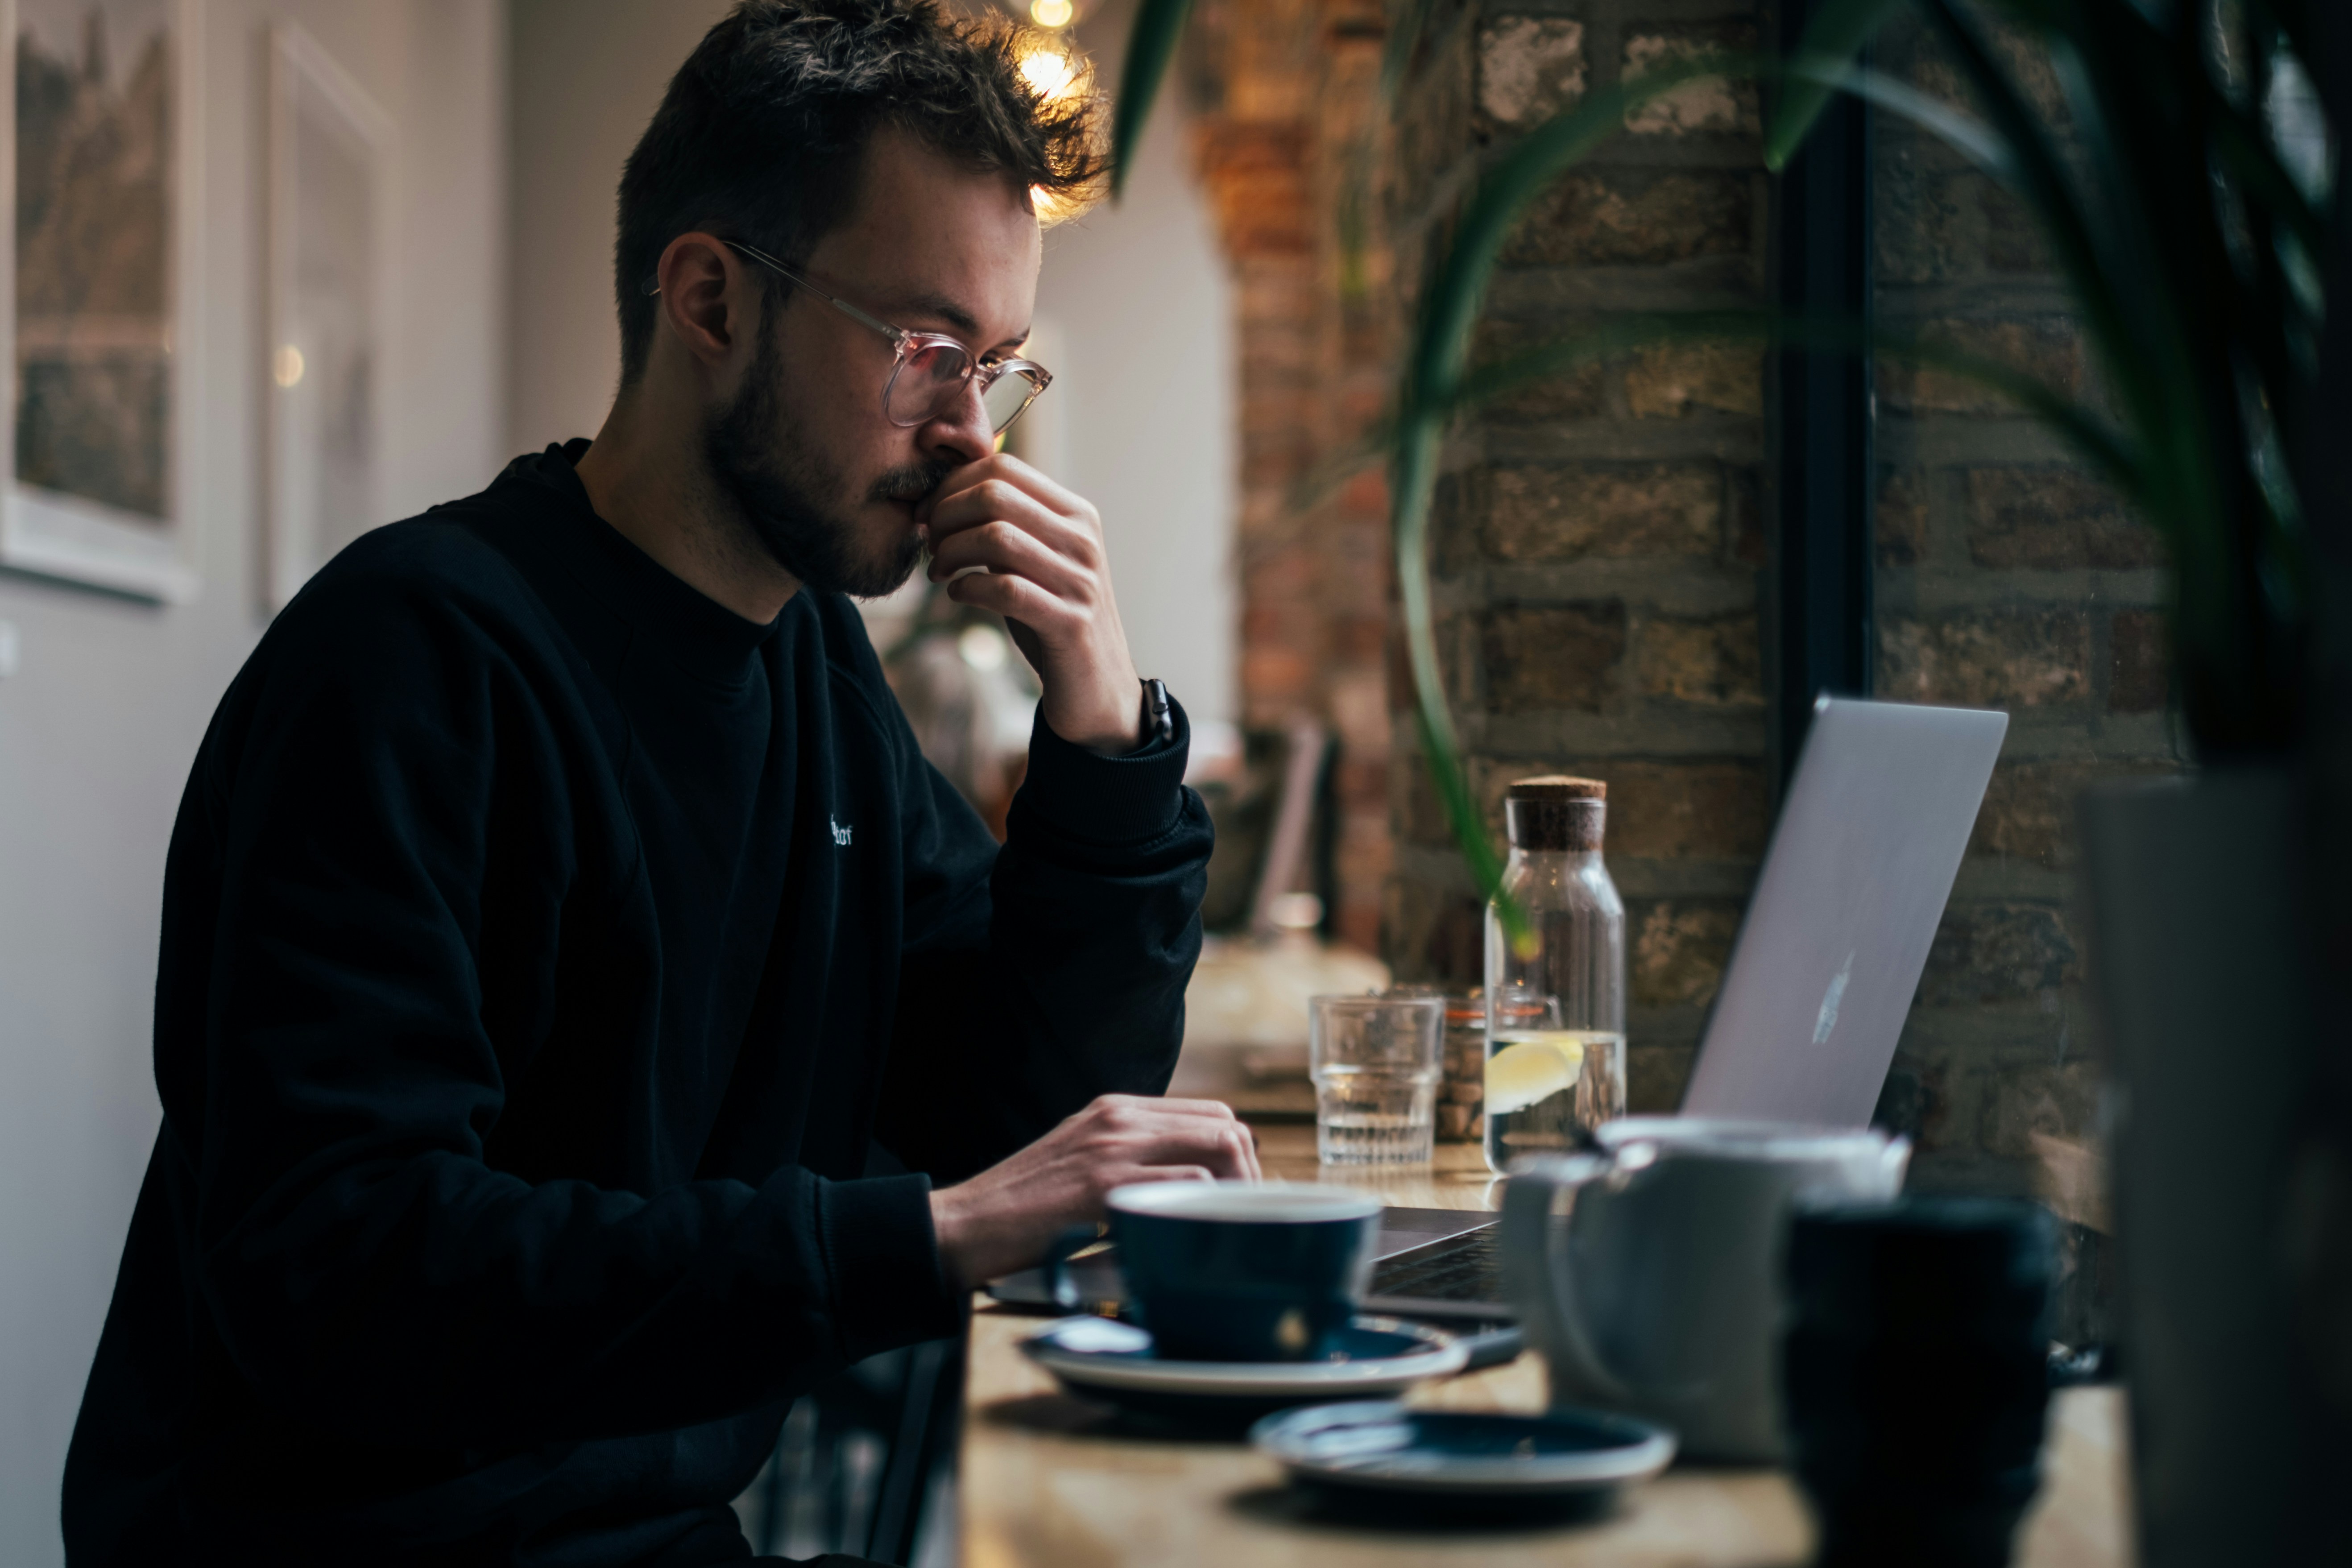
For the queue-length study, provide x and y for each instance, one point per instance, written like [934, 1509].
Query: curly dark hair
[762, 134]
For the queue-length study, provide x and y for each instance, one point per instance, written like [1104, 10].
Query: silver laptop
[1861, 863]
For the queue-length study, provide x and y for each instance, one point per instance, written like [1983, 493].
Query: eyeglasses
[931, 370]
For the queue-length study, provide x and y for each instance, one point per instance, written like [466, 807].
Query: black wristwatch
[1159, 714]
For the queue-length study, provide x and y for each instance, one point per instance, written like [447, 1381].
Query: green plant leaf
[1963, 133]
[1406, 34]
[1830, 45]
[1150, 45]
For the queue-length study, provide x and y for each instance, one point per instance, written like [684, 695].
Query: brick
[1998, 659]
[1256, 173]
[1539, 658]
[1678, 952]
[1716, 662]
[2029, 808]
[1713, 810]
[2048, 517]
[1529, 69]
[1930, 224]
[1637, 219]
[1997, 953]
[2047, 349]
[2014, 243]
[1673, 381]
[1900, 520]
[1572, 393]
[1570, 511]
[1709, 104]
[2140, 679]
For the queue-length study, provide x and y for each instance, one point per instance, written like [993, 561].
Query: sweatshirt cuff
[888, 1289]
[1107, 800]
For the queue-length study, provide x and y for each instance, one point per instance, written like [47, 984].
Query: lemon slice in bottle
[1531, 1069]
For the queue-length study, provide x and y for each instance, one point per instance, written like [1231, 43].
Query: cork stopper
[1556, 813]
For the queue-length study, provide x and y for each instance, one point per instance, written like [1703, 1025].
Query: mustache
[912, 482]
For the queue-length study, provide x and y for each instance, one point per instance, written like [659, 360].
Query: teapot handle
[1541, 1284]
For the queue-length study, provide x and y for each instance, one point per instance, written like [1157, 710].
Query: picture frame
[101, 278]
[329, 148]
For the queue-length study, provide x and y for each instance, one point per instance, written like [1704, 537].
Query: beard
[779, 488]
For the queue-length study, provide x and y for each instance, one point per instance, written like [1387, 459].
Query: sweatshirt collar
[697, 631]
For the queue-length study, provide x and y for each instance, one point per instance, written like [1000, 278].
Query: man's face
[826, 481]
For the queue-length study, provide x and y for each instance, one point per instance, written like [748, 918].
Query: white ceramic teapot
[1660, 1295]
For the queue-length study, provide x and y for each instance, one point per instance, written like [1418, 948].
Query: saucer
[1112, 1360]
[1385, 1446]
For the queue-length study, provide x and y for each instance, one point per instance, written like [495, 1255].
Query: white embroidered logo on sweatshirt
[840, 834]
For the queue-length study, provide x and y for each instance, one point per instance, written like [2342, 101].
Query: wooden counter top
[1050, 1481]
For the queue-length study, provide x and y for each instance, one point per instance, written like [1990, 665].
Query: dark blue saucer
[1385, 1446]
[1102, 1359]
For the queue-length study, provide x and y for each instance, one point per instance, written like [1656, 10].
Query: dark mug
[1916, 1369]
[1243, 1272]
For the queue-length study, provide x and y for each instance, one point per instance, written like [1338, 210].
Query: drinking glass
[1376, 1065]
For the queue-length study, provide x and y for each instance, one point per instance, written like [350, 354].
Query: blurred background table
[1047, 1480]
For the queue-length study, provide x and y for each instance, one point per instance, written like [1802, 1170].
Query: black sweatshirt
[545, 951]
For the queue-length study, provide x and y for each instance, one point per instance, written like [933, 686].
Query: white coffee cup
[1661, 1295]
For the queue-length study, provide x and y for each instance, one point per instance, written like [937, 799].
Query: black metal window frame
[1823, 470]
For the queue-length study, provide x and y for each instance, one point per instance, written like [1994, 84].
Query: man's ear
[707, 296]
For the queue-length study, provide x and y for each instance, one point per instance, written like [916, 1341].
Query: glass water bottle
[1556, 999]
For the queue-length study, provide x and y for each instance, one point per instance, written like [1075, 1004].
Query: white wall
[1133, 306]
[99, 724]
[587, 76]
[1139, 314]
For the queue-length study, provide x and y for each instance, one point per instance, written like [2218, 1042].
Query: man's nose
[959, 434]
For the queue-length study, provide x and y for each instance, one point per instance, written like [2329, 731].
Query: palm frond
[1150, 45]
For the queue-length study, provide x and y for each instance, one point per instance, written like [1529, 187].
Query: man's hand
[1047, 576]
[1002, 1219]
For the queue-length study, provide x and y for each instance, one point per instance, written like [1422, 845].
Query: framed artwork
[103, 97]
[328, 147]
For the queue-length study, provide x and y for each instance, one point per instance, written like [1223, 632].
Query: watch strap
[1159, 714]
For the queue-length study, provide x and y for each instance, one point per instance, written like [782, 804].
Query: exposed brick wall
[2007, 578]
[1598, 543]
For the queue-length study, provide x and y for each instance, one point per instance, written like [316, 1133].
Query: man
[561, 928]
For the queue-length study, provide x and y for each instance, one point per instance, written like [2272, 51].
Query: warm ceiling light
[286, 365]
[1049, 72]
[1052, 13]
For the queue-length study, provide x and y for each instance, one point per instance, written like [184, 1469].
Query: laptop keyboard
[1466, 1267]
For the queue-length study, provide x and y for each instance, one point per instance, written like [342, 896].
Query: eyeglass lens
[933, 377]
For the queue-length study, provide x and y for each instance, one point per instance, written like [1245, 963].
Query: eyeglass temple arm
[789, 276]
[653, 287]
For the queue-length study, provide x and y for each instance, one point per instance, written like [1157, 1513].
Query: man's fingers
[1022, 477]
[1019, 600]
[1005, 549]
[993, 499]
